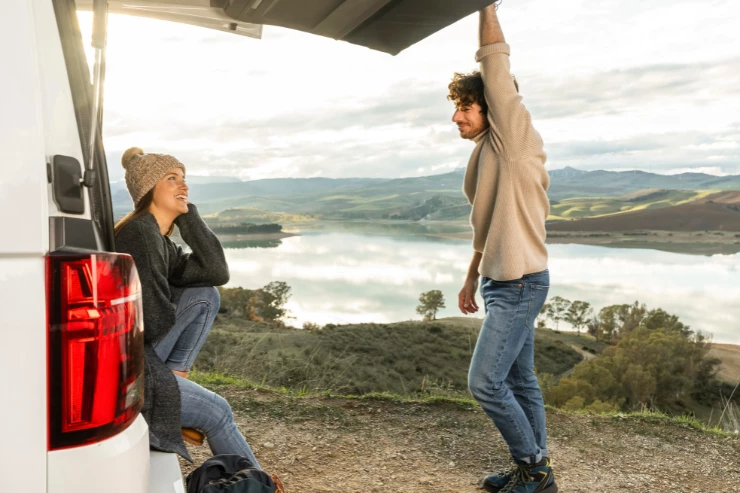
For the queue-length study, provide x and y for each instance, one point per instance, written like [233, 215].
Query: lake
[353, 273]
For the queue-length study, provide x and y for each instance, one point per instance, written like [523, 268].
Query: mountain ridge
[370, 198]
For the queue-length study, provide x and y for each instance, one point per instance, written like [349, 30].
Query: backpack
[229, 474]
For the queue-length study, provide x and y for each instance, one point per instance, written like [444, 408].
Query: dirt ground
[363, 446]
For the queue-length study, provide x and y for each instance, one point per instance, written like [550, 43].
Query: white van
[71, 354]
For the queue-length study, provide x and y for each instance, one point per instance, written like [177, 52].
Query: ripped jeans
[501, 376]
[200, 408]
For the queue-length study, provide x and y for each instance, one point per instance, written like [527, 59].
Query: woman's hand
[466, 297]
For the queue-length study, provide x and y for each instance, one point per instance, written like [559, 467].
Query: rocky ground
[363, 446]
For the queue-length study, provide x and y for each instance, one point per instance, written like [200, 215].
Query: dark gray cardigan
[165, 271]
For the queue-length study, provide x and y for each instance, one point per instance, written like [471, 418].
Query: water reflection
[250, 243]
[375, 273]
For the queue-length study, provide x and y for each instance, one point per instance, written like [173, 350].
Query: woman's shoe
[193, 436]
[279, 488]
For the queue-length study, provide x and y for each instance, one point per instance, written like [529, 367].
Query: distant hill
[729, 354]
[372, 198]
[583, 207]
[251, 215]
[571, 182]
[717, 212]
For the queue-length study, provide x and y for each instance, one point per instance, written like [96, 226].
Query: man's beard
[470, 132]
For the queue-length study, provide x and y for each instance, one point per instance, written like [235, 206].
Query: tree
[593, 326]
[630, 317]
[274, 297]
[647, 368]
[543, 315]
[578, 315]
[660, 319]
[430, 303]
[558, 308]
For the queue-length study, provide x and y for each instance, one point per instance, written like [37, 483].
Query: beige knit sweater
[506, 181]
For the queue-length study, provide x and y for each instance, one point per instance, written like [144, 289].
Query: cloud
[616, 92]
[299, 105]
[717, 153]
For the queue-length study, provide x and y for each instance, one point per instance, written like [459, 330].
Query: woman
[180, 304]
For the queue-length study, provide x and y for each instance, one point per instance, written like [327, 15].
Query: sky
[617, 85]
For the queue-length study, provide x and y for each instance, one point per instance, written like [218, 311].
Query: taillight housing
[95, 347]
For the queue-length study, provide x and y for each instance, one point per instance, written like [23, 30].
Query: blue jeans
[196, 311]
[200, 409]
[210, 413]
[501, 376]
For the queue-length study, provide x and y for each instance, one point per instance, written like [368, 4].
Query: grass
[309, 406]
[586, 207]
[584, 341]
[402, 358]
[254, 215]
[730, 356]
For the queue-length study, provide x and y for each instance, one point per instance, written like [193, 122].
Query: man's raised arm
[490, 28]
[511, 123]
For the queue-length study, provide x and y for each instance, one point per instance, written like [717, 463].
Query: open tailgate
[389, 26]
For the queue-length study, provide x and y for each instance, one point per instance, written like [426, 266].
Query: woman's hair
[141, 208]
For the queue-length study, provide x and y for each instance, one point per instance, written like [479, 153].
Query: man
[506, 184]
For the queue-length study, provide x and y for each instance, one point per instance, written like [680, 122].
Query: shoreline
[257, 236]
[689, 242]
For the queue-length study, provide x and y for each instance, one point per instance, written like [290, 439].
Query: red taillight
[96, 347]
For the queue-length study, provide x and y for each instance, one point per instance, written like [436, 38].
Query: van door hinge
[89, 179]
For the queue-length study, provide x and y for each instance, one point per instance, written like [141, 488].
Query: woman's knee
[211, 296]
[215, 298]
[225, 414]
[208, 299]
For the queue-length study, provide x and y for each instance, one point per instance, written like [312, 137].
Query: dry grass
[730, 356]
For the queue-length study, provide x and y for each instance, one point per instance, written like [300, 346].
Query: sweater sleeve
[206, 265]
[512, 132]
[147, 250]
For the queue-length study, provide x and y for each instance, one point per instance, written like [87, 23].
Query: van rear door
[389, 26]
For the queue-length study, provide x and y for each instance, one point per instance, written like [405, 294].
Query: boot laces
[520, 476]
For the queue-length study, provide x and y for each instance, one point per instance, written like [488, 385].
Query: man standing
[506, 184]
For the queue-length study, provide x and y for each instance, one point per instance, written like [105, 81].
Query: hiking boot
[532, 478]
[495, 482]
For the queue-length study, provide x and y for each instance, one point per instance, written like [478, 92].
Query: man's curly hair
[466, 89]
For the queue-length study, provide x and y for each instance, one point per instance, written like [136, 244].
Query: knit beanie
[143, 171]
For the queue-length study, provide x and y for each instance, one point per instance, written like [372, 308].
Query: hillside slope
[717, 212]
[402, 357]
[590, 207]
[730, 356]
[365, 446]
[374, 198]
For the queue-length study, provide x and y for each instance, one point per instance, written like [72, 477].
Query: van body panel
[23, 184]
[38, 121]
[23, 366]
[61, 136]
[117, 465]
[23, 201]
[165, 475]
